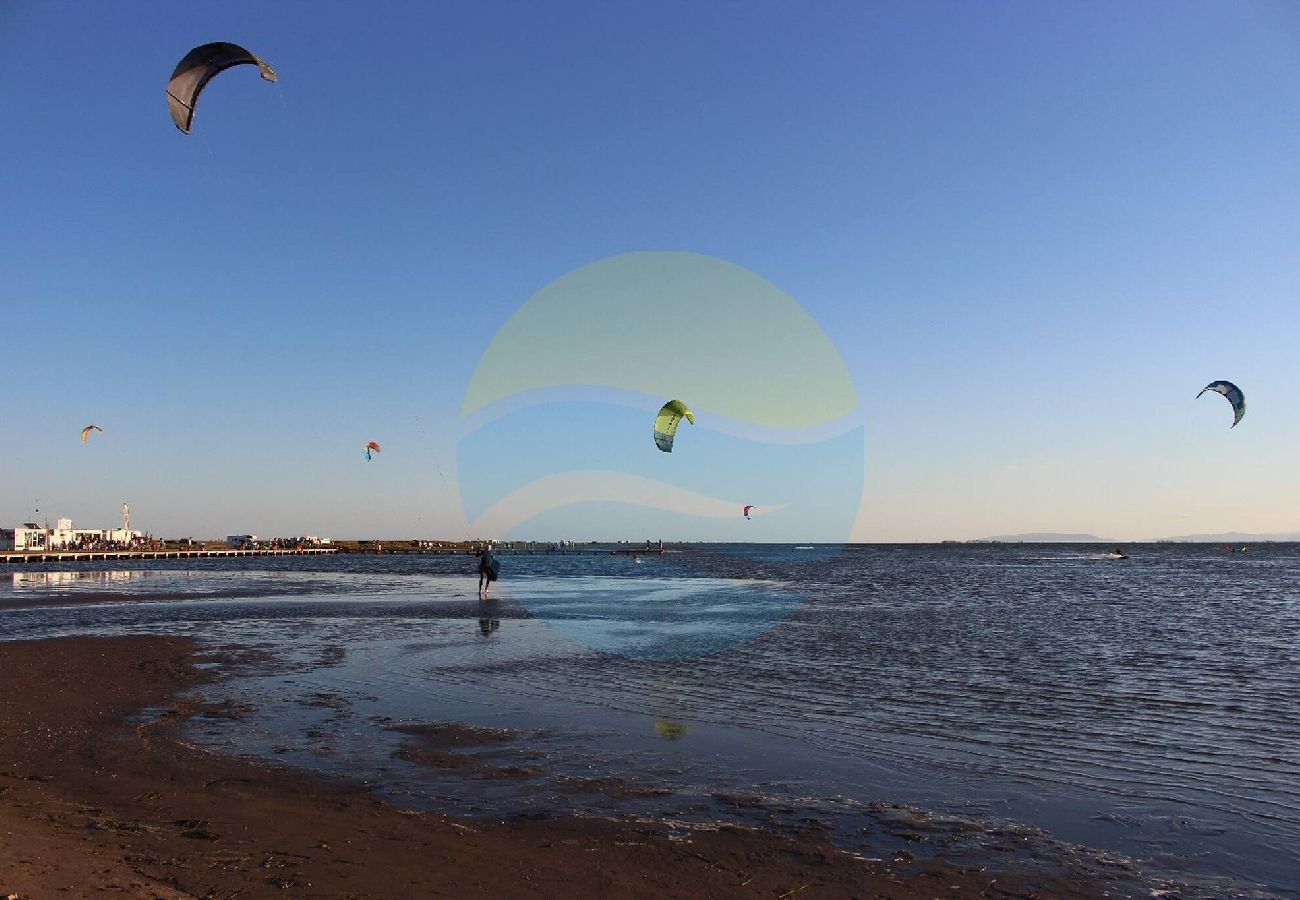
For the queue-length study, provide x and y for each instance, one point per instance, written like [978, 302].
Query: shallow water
[1144, 706]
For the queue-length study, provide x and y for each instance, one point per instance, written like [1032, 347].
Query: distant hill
[1233, 537]
[1055, 537]
[1047, 537]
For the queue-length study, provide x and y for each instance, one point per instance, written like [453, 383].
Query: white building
[66, 536]
[30, 536]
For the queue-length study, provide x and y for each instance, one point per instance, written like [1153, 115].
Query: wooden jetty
[46, 556]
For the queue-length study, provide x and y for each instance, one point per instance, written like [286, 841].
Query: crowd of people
[94, 544]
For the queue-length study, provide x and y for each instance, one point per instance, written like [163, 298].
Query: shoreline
[101, 792]
[338, 548]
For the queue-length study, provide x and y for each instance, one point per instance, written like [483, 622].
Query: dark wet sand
[97, 799]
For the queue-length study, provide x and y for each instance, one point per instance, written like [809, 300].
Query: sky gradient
[1032, 232]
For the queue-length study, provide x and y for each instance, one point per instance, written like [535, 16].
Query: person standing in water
[488, 567]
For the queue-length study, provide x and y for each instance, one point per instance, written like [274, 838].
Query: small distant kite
[670, 416]
[1233, 395]
[373, 445]
[747, 509]
[85, 432]
[196, 69]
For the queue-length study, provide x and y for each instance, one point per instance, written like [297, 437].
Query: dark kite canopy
[200, 66]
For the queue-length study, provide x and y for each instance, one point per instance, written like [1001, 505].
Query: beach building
[66, 536]
[30, 536]
[6, 538]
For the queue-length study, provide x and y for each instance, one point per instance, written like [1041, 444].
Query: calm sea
[956, 699]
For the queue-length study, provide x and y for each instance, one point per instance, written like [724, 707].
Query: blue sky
[1032, 232]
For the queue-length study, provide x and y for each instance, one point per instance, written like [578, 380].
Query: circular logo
[565, 442]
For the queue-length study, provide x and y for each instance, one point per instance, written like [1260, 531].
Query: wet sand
[99, 794]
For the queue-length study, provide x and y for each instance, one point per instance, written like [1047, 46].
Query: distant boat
[805, 547]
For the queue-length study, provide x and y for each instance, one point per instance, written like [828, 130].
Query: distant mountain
[1233, 537]
[1047, 537]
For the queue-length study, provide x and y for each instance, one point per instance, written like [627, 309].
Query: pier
[11, 557]
[365, 548]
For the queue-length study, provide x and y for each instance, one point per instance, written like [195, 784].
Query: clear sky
[1032, 231]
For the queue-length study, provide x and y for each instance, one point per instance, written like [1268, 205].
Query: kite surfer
[488, 569]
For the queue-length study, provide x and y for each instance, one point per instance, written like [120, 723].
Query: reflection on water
[83, 577]
[489, 612]
[669, 715]
[1146, 705]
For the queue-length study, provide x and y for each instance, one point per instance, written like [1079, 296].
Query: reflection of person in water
[487, 617]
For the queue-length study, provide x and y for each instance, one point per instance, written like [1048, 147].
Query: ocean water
[955, 699]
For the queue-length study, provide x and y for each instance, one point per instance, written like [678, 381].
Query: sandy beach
[99, 794]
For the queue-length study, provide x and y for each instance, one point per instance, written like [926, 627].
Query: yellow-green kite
[667, 421]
